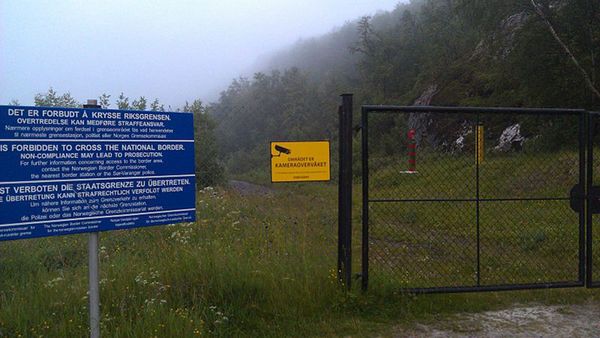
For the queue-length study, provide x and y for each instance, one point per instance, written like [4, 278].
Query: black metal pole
[583, 133]
[94, 267]
[365, 199]
[345, 193]
[477, 198]
[341, 187]
[591, 125]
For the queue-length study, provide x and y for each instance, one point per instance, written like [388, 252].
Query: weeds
[254, 266]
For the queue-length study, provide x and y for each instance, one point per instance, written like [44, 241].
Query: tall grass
[264, 265]
[250, 265]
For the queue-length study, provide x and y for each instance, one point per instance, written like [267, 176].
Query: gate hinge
[577, 198]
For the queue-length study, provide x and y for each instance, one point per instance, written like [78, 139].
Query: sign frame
[271, 143]
[179, 144]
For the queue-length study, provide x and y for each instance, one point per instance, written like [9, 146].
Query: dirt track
[249, 189]
[530, 321]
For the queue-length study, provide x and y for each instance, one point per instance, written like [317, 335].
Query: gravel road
[249, 189]
[526, 321]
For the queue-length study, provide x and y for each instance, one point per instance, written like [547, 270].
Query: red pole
[412, 151]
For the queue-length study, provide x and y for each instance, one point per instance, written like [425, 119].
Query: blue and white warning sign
[69, 170]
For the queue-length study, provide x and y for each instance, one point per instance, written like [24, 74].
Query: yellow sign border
[301, 141]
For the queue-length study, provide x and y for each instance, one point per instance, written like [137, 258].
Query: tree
[52, 99]
[123, 102]
[209, 172]
[139, 104]
[542, 12]
[157, 106]
[104, 101]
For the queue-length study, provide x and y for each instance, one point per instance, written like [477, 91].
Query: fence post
[412, 151]
[345, 192]
[365, 198]
[94, 268]
[479, 151]
[589, 182]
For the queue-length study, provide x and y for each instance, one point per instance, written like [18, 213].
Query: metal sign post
[94, 291]
[94, 268]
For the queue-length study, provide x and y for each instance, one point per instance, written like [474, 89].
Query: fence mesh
[463, 220]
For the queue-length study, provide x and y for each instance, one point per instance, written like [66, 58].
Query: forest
[508, 53]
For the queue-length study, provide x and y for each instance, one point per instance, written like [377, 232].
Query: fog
[172, 50]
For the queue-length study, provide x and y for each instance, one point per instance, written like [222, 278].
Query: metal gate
[474, 199]
[593, 197]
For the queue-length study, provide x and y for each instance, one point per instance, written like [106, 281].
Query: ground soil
[249, 189]
[521, 321]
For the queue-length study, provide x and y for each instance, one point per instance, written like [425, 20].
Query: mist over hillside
[456, 52]
[331, 53]
[320, 56]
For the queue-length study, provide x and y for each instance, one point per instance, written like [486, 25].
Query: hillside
[456, 52]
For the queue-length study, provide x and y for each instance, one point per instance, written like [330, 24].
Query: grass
[427, 243]
[249, 266]
[265, 265]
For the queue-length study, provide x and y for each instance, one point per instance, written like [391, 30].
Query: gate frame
[344, 263]
[591, 125]
[585, 179]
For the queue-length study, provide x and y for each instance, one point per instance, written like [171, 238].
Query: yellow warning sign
[300, 161]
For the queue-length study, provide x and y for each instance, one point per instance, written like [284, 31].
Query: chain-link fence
[482, 201]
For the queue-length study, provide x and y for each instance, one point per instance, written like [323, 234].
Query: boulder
[420, 122]
[461, 139]
[510, 139]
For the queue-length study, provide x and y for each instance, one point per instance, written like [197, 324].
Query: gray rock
[501, 43]
[461, 139]
[508, 29]
[421, 122]
[510, 139]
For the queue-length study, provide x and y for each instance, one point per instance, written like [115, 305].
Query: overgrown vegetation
[476, 53]
[264, 265]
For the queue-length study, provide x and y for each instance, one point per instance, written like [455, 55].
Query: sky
[174, 50]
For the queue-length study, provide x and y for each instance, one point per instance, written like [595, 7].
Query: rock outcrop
[508, 30]
[461, 137]
[510, 139]
[501, 43]
[421, 122]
